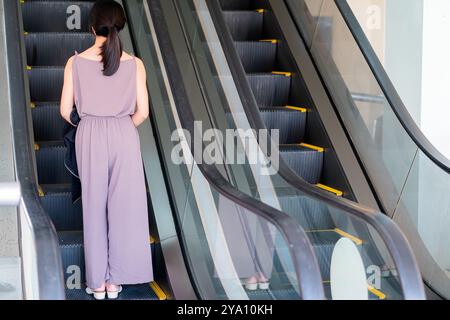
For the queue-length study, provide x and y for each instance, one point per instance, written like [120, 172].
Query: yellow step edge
[41, 192]
[36, 147]
[376, 292]
[310, 146]
[25, 33]
[303, 110]
[152, 240]
[269, 40]
[329, 189]
[371, 289]
[32, 105]
[344, 234]
[29, 68]
[260, 10]
[282, 73]
[158, 291]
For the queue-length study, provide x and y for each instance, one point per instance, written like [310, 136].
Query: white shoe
[114, 294]
[251, 284]
[97, 295]
[264, 285]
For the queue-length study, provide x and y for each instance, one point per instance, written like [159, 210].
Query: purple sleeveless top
[101, 96]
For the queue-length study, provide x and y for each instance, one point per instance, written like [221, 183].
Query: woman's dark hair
[107, 19]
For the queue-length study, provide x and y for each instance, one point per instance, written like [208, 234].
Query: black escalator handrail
[49, 264]
[395, 241]
[389, 90]
[302, 253]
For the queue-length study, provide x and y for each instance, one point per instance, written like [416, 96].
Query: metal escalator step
[46, 83]
[290, 123]
[56, 16]
[244, 25]
[323, 244]
[48, 125]
[270, 89]
[72, 254]
[135, 292]
[311, 214]
[257, 56]
[236, 4]
[57, 202]
[54, 49]
[306, 162]
[50, 163]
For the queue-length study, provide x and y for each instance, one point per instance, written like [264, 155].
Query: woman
[108, 87]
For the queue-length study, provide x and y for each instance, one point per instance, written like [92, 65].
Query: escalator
[407, 171]
[189, 202]
[284, 104]
[210, 208]
[311, 185]
[49, 44]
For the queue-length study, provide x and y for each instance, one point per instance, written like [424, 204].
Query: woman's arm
[67, 99]
[142, 108]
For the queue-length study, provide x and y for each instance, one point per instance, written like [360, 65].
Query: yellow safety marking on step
[303, 110]
[158, 291]
[22, 1]
[340, 232]
[269, 40]
[32, 105]
[152, 239]
[25, 33]
[282, 73]
[260, 10]
[376, 292]
[41, 192]
[310, 146]
[36, 147]
[29, 68]
[344, 234]
[329, 189]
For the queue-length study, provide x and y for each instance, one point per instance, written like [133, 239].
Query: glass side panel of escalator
[404, 37]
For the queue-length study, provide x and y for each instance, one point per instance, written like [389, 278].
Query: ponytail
[111, 52]
[107, 19]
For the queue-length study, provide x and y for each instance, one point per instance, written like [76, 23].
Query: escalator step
[270, 89]
[323, 244]
[309, 213]
[257, 56]
[46, 83]
[48, 124]
[50, 163]
[236, 4]
[57, 201]
[244, 25]
[290, 123]
[134, 292]
[72, 254]
[307, 163]
[54, 49]
[56, 16]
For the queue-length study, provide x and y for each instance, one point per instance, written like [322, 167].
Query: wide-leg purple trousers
[115, 212]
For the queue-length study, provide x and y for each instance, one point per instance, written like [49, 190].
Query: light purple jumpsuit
[115, 213]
